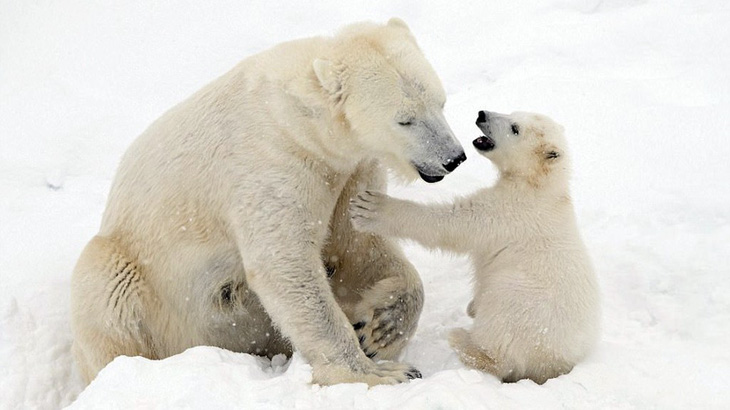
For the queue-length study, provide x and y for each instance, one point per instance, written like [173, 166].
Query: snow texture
[642, 88]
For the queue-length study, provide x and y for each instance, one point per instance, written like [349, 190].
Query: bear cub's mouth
[483, 143]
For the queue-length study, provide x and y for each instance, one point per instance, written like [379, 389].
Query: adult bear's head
[380, 83]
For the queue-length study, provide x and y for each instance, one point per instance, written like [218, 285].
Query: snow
[642, 88]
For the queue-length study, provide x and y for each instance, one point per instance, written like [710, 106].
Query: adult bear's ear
[328, 78]
[396, 22]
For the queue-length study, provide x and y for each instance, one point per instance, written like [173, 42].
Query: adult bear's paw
[386, 318]
[373, 374]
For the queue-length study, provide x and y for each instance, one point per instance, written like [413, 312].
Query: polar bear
[227, 221]
[536, 301]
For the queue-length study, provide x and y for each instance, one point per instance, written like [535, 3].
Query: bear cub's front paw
[366, 209]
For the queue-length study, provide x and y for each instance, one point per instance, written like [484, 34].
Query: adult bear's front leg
[281, 257]
[379, 290]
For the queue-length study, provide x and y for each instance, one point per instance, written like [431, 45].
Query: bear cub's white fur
[536, 300]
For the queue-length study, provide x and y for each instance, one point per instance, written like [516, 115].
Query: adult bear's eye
[405, 123]
[515, 129]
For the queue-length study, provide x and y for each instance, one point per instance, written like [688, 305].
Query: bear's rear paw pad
[385, 334]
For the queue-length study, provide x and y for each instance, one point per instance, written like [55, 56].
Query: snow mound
[641, 86]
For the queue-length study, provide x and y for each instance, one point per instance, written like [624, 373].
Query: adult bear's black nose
[451, 164]
[482, 117]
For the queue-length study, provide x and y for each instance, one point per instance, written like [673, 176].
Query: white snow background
[642, 88]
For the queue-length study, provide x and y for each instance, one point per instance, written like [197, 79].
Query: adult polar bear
[229, 213]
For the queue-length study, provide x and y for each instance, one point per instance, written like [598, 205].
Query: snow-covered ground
[642, 88]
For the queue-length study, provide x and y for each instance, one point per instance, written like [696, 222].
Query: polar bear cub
[536, 301]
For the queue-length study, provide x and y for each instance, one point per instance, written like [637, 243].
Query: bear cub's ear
[550, 152]
[326, 75]
[396, 22]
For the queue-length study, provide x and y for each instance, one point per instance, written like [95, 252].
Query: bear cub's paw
[366, 209]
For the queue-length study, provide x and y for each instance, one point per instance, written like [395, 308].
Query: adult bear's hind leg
[376, 286]
[107, 294]
[387, 316]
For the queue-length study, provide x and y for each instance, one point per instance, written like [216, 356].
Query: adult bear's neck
[278, 88]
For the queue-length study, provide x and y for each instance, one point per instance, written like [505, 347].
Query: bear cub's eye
[515, 129]
[405, 123]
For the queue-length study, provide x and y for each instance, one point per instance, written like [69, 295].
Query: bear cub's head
[522, 144]
[381, 86]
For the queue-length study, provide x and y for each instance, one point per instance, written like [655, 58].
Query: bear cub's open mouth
[483, 143]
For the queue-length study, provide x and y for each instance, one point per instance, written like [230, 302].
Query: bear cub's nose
[451, 164]
[482, 117]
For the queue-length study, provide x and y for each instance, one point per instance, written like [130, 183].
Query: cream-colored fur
[227, 222]
[536, 302]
